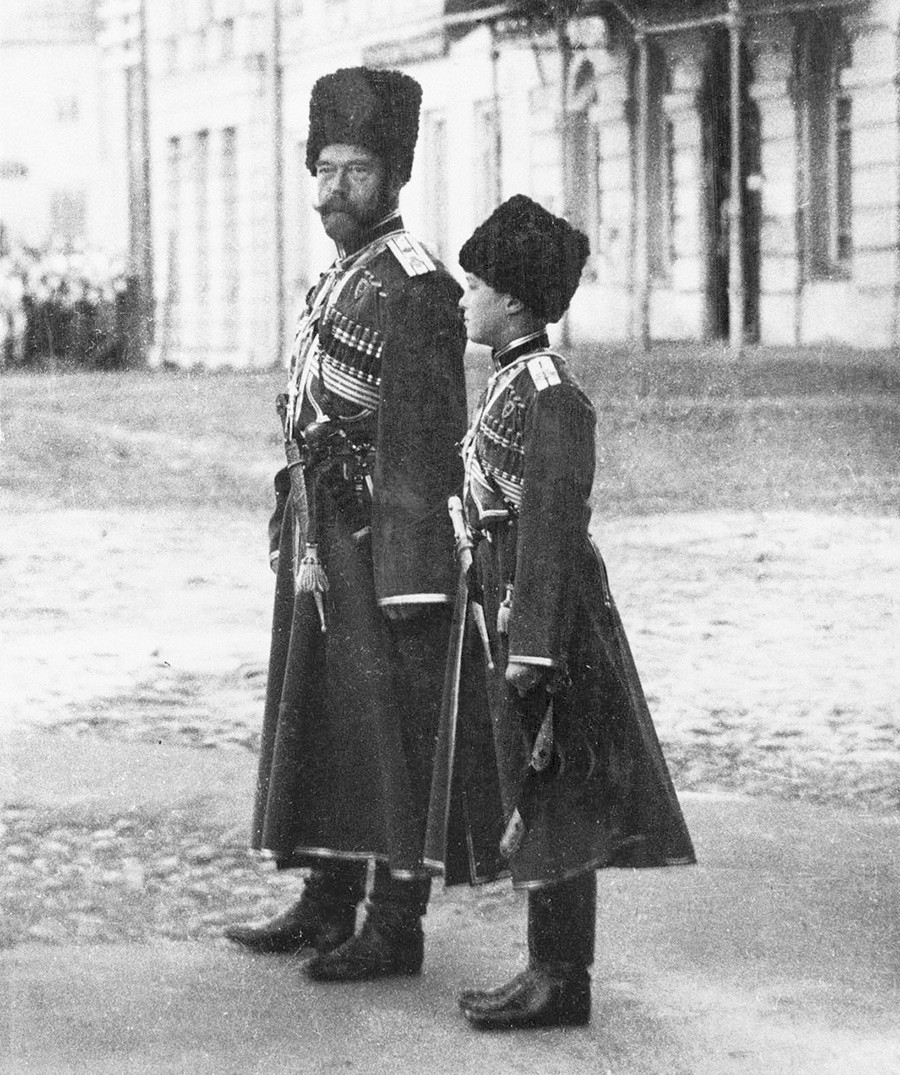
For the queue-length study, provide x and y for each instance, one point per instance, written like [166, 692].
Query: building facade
[735, 163]
[58, 179]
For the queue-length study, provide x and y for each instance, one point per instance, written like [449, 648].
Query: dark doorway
[715, 108]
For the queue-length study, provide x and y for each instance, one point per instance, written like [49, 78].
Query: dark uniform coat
[606, 798]
[350, 717]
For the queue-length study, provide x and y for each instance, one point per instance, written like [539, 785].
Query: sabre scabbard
[464, 546]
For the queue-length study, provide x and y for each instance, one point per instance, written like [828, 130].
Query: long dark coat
[606, 799]
[350, 718]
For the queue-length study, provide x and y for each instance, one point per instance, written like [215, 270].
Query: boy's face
[485, 311]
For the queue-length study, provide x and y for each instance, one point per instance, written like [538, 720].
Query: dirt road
[767, 641]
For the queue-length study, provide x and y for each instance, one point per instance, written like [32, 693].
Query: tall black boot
[555, 989]
[391, 940]
[323, 918]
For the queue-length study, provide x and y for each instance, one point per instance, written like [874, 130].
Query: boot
[540, 996]
[487, 997]
[322, 919]
[391, 941]
[555, 989]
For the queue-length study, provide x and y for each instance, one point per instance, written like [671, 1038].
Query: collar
[386, 226]
[537, 341]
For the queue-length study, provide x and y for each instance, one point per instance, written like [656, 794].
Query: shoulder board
[543, 372]
[413, 257]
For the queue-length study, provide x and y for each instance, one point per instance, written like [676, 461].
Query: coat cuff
[539, 662]
[414, 599]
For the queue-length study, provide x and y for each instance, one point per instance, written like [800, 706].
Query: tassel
[513, 835]
[542, 751]
[503, 612]
[311, 578]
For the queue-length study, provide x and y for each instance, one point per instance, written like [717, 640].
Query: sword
[438, 824]
[464, 548]
[308, 575]
[294, 461]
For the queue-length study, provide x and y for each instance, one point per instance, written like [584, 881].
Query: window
[660, 169]
[843, 178]
[436, 194]
[67, 109]
[230, 238]
[299, 238]
[170, 49]
[337, 13]
[826, 112]
[226, 39]
[68, 211]
[584, 153]
[546, 169]
[201, 248]
[171, 315]
[138, 168]
[660, 162]
[173, 173]
[487, 176]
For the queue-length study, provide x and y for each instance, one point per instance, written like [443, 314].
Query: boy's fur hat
[524, 251]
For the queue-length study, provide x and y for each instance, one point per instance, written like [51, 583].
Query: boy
[581, 778]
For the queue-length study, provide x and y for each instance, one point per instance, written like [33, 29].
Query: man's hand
[396, 613]
[273, 562]
[524, 677]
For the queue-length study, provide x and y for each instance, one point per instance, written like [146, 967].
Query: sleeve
[282, 488]
[421, 419]
[553, 518]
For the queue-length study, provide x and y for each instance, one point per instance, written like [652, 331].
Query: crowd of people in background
[63, 305]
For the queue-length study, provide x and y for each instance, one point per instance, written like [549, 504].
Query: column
[736, 194]
[688, 279]
[875, 128]
[780, 268]
[615, 180]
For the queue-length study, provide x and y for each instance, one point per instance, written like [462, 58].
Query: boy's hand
[401, 612]
[524, 677]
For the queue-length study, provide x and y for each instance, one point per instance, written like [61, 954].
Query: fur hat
[361, 106]
[524, 251]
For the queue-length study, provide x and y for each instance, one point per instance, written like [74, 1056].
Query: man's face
[485, 311]
[352, 191]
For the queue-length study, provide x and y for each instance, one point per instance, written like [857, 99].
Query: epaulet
[543, 371]
[413, 257]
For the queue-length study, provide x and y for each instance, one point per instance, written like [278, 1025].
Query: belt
[490, 521]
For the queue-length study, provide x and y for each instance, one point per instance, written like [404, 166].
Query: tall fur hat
[362, 106]
[524, 251]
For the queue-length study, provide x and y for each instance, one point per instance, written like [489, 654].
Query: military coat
[605, 798]
[350, 714]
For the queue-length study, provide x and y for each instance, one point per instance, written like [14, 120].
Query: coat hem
[605, 862]
[434, 866]
[415, 874]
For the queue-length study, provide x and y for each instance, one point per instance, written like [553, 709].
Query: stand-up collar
[524, 345]
[391, 223]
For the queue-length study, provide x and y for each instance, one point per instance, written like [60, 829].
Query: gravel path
[767, 644]
[122, 879]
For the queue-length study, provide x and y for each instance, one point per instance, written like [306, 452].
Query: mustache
[333, 205]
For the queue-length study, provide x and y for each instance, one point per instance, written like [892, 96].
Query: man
[582, 779]
[362, 548]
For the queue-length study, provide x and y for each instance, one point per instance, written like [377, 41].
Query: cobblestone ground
[123, 878]
[767, 644]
